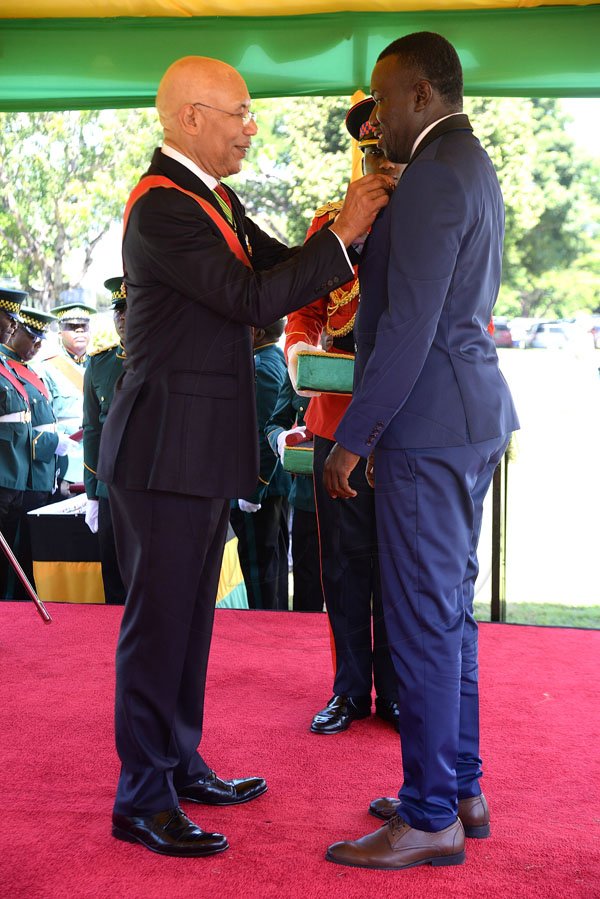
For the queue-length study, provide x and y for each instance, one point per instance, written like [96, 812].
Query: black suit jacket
[183, 418]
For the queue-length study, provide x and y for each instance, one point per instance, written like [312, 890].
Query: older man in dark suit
[180, 438]
[432, 413]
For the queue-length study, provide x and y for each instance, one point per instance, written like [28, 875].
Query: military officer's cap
[357, 123]
[118, 291]
[11, 300]
[35, 322]
[73, 313]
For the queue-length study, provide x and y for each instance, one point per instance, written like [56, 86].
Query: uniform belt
[51, 427]
[345, 344]
[16, 416]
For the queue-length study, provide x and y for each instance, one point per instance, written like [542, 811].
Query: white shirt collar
[194, 169]
[429, 128]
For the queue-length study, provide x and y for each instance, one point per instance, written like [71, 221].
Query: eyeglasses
[246, 116]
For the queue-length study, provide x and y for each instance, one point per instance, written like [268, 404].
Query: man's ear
[362, 164]
[423, 94]
[188, 119]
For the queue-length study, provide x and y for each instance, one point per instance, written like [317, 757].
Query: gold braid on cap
[10, 305]
[32, 322]
[338, 298]
[121, 293]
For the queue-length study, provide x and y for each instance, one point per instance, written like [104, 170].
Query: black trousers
[308, 591]
[32, 499]
[10, 513]
[114, 589]
[170, 550]
[263, 540]
[351, 583]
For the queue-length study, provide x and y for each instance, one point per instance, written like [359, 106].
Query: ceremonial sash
[69, 369]
[30, 376]
[150, 181]
[8, 375]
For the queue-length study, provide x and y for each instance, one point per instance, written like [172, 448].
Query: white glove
[248, 507]
[65, 445]
[293, 365]
[281, 444]
[91, 515]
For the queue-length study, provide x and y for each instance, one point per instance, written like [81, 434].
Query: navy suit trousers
[429, 507]
[170, 549]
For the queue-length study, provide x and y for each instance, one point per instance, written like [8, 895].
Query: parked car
[548, 335]
[519, 326]
[502, 336]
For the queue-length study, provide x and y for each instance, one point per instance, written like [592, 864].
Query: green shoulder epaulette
[329, 208]
[104, 349]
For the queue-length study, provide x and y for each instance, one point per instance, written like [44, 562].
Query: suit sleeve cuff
[341, 243]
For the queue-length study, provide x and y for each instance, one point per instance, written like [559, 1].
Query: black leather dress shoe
[168, 833]
[339, 713]
[389, 711]
[211, 790]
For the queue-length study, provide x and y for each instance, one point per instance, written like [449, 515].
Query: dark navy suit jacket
[183, 417]
[426, 372]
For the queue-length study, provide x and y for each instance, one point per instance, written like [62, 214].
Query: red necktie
[225, 203]
[219, 189]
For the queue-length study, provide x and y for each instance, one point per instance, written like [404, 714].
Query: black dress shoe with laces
[388, 710]
[169, 833]
[211, 790]
[339, 713]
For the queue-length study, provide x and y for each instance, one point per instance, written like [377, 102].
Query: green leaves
[64, 179]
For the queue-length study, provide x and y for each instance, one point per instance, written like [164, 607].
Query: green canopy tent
[70, 54]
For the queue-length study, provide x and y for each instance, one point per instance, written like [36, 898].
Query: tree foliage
[65, 178]
[300, 159]
[552, 197]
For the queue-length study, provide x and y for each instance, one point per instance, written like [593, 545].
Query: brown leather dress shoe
[473, 812]
[169, 833]
[211, 790]
[396, 845]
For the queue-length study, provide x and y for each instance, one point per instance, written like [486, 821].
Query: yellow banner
[181, 8]
[69, 582]
[231, 573]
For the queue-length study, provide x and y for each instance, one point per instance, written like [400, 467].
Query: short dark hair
[274, 331]
[435, 59]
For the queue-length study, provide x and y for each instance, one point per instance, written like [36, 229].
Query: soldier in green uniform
[15, 431]
[68, 367]
[289, 415]
[260, 520]
[74, 325]
[47, 441]
[102, 373]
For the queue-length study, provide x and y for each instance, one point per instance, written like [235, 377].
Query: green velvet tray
[298, 459]
[325, 372]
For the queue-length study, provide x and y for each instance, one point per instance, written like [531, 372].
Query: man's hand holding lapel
[363, 201]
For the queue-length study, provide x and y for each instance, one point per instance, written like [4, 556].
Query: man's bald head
[201, 103]
[195, 79]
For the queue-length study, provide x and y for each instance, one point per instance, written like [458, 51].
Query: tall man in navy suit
[180, 439]
[432, 413]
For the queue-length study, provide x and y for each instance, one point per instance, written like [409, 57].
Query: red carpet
[269, 673]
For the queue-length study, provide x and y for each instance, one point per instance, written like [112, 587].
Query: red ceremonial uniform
[333, 313]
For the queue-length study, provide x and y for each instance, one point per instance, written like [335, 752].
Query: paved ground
[553, 553]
